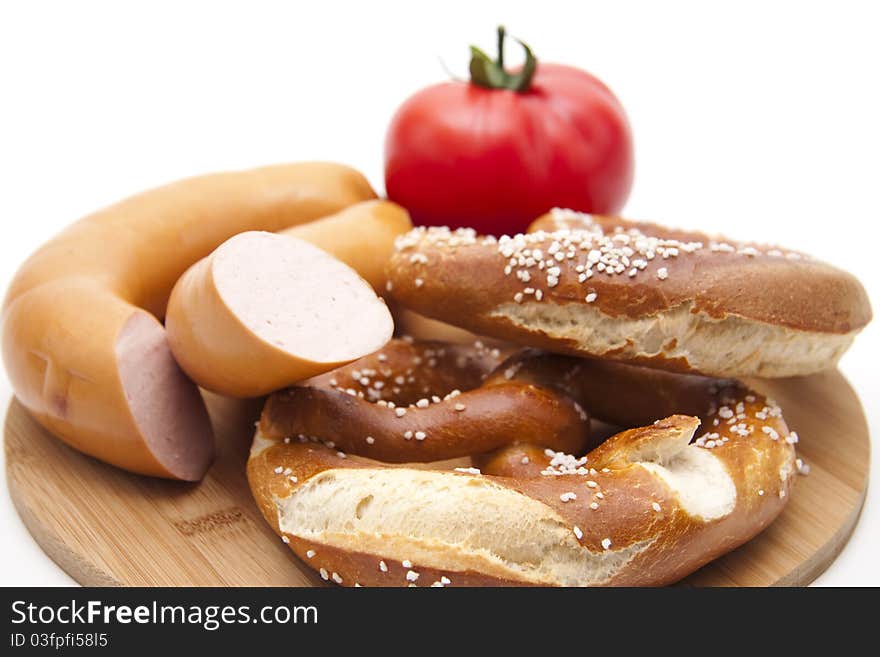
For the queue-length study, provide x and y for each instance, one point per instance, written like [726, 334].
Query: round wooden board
[106, 527]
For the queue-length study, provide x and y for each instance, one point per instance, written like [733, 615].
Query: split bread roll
[267, 310]
[647, 507]
[83, 344]
[646, 294]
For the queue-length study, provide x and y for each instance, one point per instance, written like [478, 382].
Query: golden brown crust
[353, 568]
[622, 394]
[423, 401]
[298, 462]
[481, 284]
[622, 498]
[725, 277]
[741, 427]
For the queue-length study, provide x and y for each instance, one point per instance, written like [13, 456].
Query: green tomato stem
[491, 74]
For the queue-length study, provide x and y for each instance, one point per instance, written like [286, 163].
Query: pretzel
[647, 507]
[425, 401]
[635, 292]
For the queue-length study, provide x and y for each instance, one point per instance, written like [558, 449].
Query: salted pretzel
[647, 507]
[425, 401]
[635, 292]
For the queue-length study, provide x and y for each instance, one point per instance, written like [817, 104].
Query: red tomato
[460, 154]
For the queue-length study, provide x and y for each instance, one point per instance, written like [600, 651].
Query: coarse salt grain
[564, 464]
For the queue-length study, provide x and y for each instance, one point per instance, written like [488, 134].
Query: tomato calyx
[491, 74]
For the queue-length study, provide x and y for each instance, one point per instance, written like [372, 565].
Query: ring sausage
[82, 345]
[362, 236]
[266, 310]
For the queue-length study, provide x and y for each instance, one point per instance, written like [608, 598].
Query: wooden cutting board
[106, 527]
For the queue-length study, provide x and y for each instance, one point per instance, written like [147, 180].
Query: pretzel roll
[645, 508]
[424, 401]
[636, 292]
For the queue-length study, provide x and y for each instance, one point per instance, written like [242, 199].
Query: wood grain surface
[107, 527]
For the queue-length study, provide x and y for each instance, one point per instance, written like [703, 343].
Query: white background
[759, 120]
